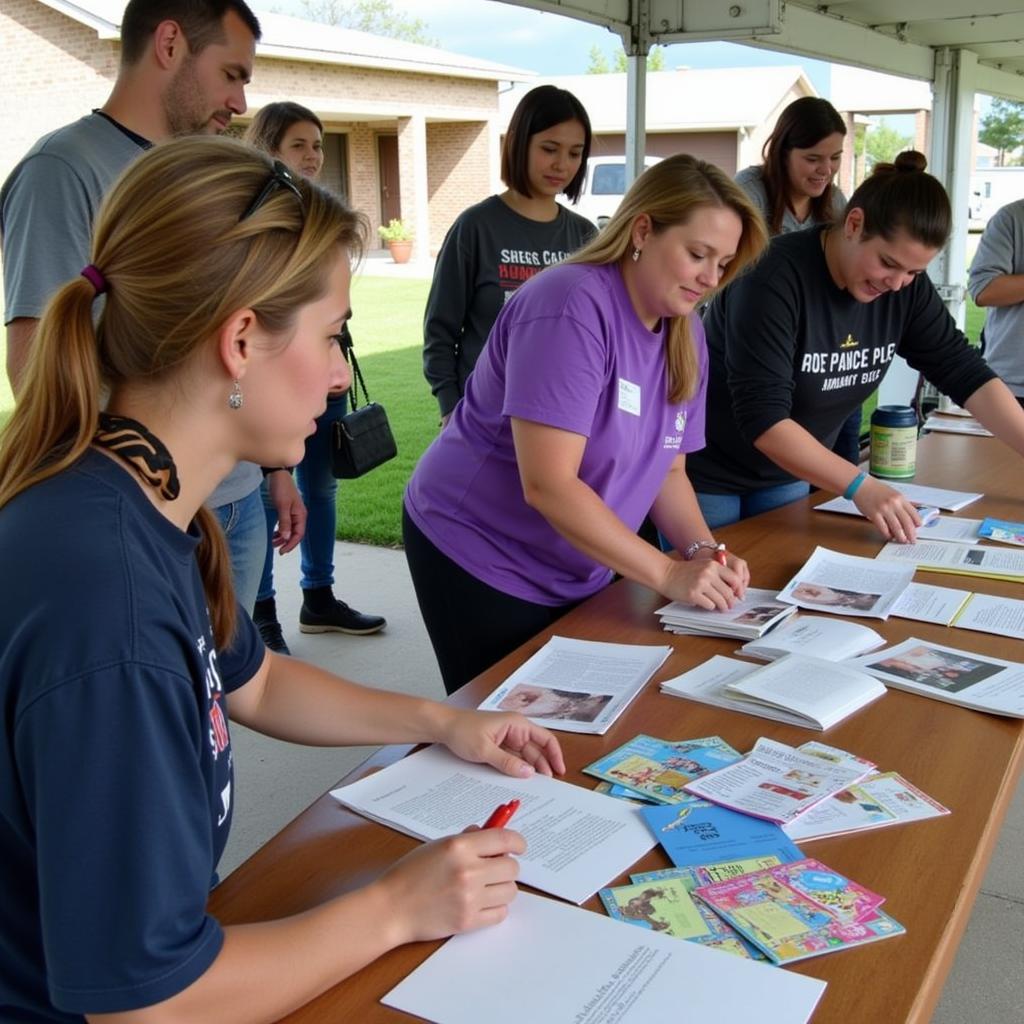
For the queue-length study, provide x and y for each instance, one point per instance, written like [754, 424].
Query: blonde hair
[179, 259]
[670, 192]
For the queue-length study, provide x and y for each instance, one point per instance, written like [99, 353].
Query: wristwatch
[695, 545]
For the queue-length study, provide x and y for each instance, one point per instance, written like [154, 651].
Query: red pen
[720, 554]
[502, 814]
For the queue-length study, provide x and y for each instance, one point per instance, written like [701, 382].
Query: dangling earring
[235, 398]
[636, 254]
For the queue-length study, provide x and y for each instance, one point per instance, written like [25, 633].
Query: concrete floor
[275, 781]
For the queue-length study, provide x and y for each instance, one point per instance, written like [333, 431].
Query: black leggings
[471, 625]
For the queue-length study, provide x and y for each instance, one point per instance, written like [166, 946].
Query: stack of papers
[758, 612]
[955, 425]
[848, 585]
[578, 685]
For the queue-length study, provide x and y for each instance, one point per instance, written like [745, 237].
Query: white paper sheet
[548, 962]
[952, 501]
[578, 685]
[846, 585]
[577, 840]
[973, 560]
[987, 614]
[925, 603]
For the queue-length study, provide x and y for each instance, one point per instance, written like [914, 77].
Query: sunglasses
[280, 177]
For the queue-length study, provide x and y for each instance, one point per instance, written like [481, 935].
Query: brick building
[410, 131]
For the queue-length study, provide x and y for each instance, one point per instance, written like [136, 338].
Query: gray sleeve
[997, 254]
[750, 180]
[445, 317]
[47, 217]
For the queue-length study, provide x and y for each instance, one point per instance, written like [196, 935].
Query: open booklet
[778, 782]
[799, 693]
[754, 616]
[551, 962]
[577, 840]
[847, 585]
[815, 635]
[938, 497]
[946, 606]
[578, 685]
[976, 681]
[964, 560]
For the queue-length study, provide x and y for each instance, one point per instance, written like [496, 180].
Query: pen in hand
[720, 555]
[501, 815]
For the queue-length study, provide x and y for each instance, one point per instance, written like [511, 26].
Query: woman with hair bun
[799, 342]
[122, 648]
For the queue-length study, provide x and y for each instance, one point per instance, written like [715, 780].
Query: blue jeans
[245, 528]
[318, 489]
[724, 509]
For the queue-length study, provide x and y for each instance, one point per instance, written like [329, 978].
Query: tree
[599, 65]
[378, 17]
[1002, 127]
[883, 144]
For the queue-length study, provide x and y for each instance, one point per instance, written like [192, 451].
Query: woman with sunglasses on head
[800, 341]
[576, 423]
[294, 134]
[493, 247]
[794, 189]
[226, 283]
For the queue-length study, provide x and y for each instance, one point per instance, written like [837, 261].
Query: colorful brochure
[1003, 531]
[704, 833]
[778, 782]
[799, 910]
[659, 769]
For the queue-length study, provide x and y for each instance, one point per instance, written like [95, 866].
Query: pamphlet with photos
[977, 681]
[816, 635]
[753, 616]
[1002, 530]
[966, 560]
[875, 802]
[778, 782]
[658, 769]
[799, 910]
[846, 585]
[578, 685]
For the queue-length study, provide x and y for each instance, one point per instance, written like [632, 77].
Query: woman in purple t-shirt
[576, 423]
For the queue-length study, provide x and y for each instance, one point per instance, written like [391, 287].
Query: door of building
[390, 194]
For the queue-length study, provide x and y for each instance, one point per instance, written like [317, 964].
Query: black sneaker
[264, 614]
[320, 615]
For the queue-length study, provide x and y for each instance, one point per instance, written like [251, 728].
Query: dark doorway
[390, 195]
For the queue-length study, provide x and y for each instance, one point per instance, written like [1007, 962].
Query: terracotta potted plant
[398, 237]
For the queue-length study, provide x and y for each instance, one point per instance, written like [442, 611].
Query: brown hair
[903, 196]
[803, 124]
[540, 109]
[179, 260]
[670, 192]
[269, 126]
[201, 22]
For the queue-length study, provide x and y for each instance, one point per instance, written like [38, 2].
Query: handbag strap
[348, 351]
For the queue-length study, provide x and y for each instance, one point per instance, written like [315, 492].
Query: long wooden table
[930, 871]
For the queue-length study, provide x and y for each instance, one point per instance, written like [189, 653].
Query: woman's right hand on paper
[703, 583]
[896, 518]
[452, 885]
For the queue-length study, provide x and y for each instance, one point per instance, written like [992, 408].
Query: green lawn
[387, 328]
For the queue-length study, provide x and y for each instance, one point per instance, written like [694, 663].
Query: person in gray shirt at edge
[183, 71]
[997, 282]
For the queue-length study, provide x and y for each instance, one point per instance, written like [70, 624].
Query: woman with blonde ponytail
[122, 652]
[575, 423]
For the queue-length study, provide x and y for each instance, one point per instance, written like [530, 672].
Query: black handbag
[361, 440]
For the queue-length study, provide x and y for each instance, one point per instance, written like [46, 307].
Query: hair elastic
[95, 277]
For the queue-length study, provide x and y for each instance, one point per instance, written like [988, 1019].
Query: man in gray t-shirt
[165, 88]
[997, 282]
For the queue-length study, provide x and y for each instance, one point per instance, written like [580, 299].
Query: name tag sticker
[629, 397]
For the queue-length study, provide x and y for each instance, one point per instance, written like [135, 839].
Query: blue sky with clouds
[552, 44]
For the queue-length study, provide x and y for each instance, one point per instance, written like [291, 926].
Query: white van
[603, 187]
